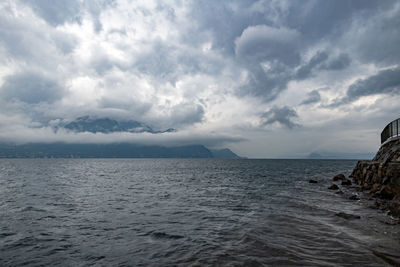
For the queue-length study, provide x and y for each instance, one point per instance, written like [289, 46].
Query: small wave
[6, 234]
[162, 235]
[31, 208]
[388, 258]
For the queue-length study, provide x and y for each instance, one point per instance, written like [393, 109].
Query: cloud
[305, 71]
[265, 43]
[341, 62]
[322, 61]
[31, 88]
[57, 12]
[268, 54]
[384, 82]
[186, 114]
[376, 39]
[312, 97]
[212, 66]
[280, 115]
[22, 134]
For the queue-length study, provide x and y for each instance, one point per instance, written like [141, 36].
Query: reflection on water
[185, 212]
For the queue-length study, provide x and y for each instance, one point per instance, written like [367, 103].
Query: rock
[367, 186]
[346, 181]
[381, 176]
[348, 216]
[385, 193]
[333, 187]
[354, 197]
[340, 192]
[311, 181]
[375, 188]
[386, 180]
[339, 177]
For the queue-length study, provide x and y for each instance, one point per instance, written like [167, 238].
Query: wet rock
[346, 181]
[339, 177]
[375, 188]
[348, 216]
[311, 181]
[386, 193]
[354, 197]
[386, 180]
[367, 186]
[333, 187]
[381, 176]
[340, 192]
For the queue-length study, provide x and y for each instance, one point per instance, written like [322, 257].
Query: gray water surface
[168, 212]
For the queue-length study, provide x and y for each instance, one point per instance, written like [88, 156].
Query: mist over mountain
[107, 125]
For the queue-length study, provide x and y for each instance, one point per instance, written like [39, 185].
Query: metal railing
[391, 130]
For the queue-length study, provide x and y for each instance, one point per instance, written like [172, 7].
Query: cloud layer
[218, 72]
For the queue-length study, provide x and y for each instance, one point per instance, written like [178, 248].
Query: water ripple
[139, 212]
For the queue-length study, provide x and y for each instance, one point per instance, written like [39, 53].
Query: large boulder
[346, 181]
[333, 187]
[338, 177]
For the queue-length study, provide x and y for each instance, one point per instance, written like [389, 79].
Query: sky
[267, 79]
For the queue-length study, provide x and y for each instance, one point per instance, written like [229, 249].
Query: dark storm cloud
[281, 115]
[269, 54]
[266, 84]
[340, 62]
[384, 82]
[258, 30]
[155, 61]
[305, 71]
[322, 61]
[317, 19]
[31, 88]
[251, 39]
[379, 40]
[225, 21]
[312, 97]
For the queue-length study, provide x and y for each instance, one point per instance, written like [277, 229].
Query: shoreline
[378, 179]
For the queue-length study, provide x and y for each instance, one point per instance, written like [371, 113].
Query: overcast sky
[264, 78]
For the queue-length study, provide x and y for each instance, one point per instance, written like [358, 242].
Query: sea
[188, 212]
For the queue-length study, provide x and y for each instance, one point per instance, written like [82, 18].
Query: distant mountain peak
[106, 125]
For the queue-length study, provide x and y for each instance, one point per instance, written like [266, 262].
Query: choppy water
[167, 212]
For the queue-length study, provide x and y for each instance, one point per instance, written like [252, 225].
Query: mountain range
[107, 125]
[112, 150]
[119, 150]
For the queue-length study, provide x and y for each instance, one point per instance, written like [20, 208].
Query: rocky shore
[379, 178]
